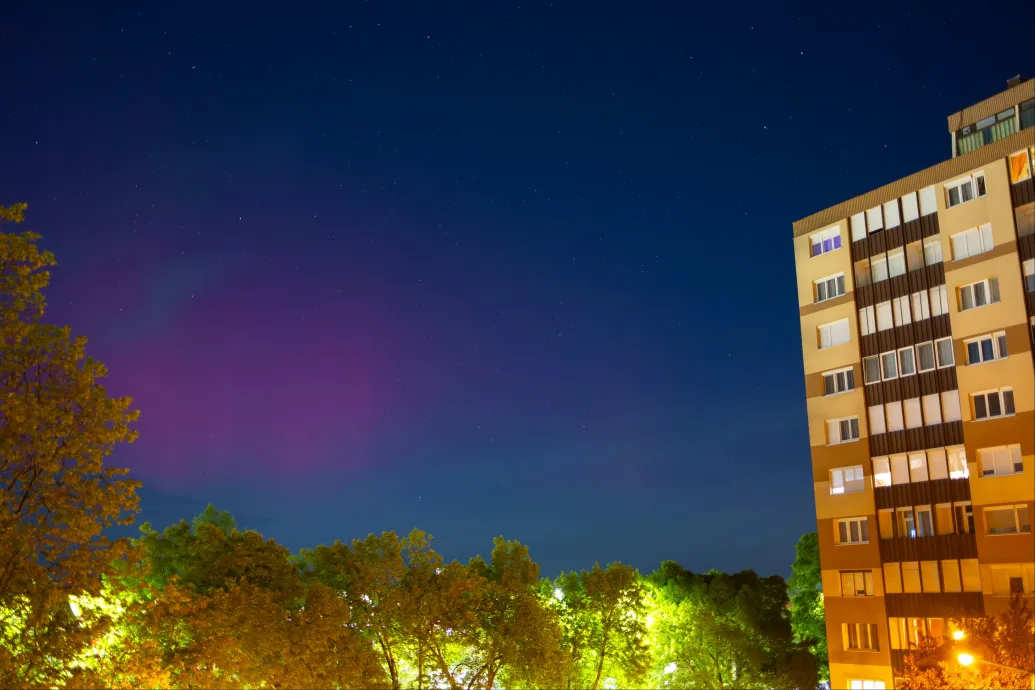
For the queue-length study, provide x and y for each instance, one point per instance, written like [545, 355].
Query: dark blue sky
[478, 268]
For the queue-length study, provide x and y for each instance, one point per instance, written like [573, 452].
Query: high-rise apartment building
[917, 308]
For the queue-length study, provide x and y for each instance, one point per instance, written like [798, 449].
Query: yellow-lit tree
[57, 425]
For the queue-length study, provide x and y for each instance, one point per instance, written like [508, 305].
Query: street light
[966, 659]
[959, 635]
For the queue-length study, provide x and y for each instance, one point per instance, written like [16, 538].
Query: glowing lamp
[965, 659]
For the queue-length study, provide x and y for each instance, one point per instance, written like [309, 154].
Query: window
[928, 201]
[860, 636]
[865, 684]
[939, 300]
[951, 576]
[867, 325]
[897, 262]
[911, 577]
[918, 467]
[900, 308]
[1011, 578]
[858, 224]
[1000, 461]
[979, 294]
[986, 348]
[892, 578]
[924, 522]
[857, 583]
[899, 469]
[835, 333]
[925, 356]
[839, 381]
[943, 519]
[906, 633]
[891, 214]
[826, 241]
[847, 480]
[885, 522]
[915, 255]
[936, 463]
[964, 514]
[932, 251]
[965, 189]
[873, 219]
[951, 406]
[830, 287]
[971, 242]
[906, 362]
[1007, 520]
[884, 318]
[1020, 169]
[905, 526]
[971, 573]
[893, 412]
[889, 365]
[843, 430]
[871, 369]
[877, 420]
[929, 576]
[943, 347]
[957, 462]
[910, 209]
[932, 409]
[862, 272]
[911, 410]
[921, 305]
[853, 531]
[881, 472]
[878, 268]
[1029, 274]
[991, 404]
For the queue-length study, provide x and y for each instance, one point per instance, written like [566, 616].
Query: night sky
[478, 268]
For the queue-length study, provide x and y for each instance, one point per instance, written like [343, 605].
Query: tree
[1006, 639]
[57, 496]
[603, 613]
[808, 619]
[719, 631]
[515, 638]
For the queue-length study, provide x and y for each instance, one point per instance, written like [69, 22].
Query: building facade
[917, 309]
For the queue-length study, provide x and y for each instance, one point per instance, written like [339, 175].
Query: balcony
[989, 130]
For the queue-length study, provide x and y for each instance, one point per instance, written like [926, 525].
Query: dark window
[1016, 585]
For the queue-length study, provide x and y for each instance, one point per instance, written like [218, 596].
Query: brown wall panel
[1003, 548]
[935, 605]
[1023, 192]
[995, 432]
[936, 548]
[922, 438]
[826, 458]
[922, 493]
[848, 557]
[826, 304]
[998, 250]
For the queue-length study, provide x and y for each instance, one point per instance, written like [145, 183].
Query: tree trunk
[393, 669]
[492, 677]
[600, 664]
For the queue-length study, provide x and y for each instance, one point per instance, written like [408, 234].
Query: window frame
[833, 234]
[1014, 508]
[938, 356]
[991, 290]
[1012, 461]
[825, 281]
[997, 340]
[844, 481]
[862, 526]
[849, 372]
[1001, 395]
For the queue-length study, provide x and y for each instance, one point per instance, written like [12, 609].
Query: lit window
[911, 577]
[928, 201]
[932, 251]
[971, 572]
[867, 323]
[936, 463]
[951, 411]
[842, 430]
[826, 241]
[878, 268]
[876, 413]
[873, 220]
[931, 580]
[865, 684]
[860, 636]
[910, 209]
[893, 412]
[891, 219]
[979, 294]
[847, 480]
[1000, 461]
[1020, 168]
[881, 472]
[862, 273]
[885, 320]
[951, 576]
[917, 467]
[897, 262]
[900, 310]
[915, 255]
[830, 287]
[921, 305]
[858, 224]
[932, 409]
[852, 531]
[924, 522]
[991, 404]
[835, 333]
[986, 348]
[957, 463]
[857, 583]
[839, 381]
[911, 409]
[1007, 520]
[1009, 579]
[892, 579]
[939, 300]
[971, 242]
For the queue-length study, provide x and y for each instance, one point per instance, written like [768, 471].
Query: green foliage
[807, 614]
